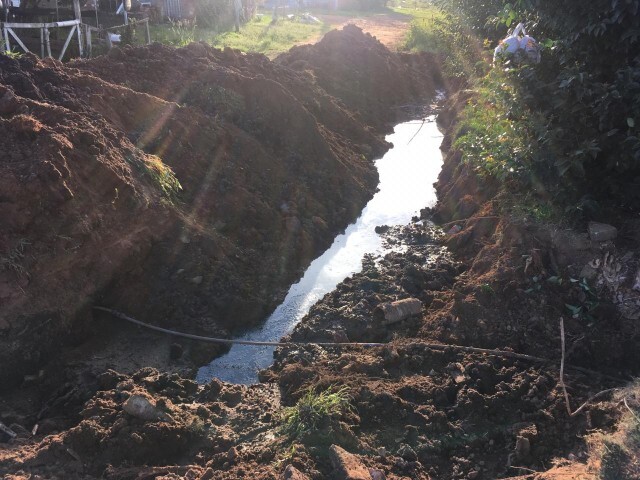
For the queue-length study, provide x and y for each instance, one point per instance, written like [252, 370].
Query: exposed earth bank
[418, 407]
[188, 187]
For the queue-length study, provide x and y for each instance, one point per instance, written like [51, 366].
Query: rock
[232, 455]
[9, 103]
[208, 473]
[377, 474]
[175, 351]
[6, 434]
[393, 312]
[602, 232]
[523, 448]
[140, 407]
[406, 452]
[197, 280]
[293, 224]
[588, 272]
[292, 473]
[347, 466]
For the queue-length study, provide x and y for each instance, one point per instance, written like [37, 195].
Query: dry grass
[616, 456]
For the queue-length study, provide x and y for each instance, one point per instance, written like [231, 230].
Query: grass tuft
[259, 35]
[616, 455]
[315, 410]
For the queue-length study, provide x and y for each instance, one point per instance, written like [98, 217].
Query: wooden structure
[83, 32]
[8, 29]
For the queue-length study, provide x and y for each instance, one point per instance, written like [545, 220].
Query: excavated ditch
[271, 166]
[87, 222]
[406, 172]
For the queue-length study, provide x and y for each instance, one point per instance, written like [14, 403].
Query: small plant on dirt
[286, 457]
[487, 289]
[183, 32]
[161, 175]
[128, 33]
[314, 410]
[8, 53]
[589, 301]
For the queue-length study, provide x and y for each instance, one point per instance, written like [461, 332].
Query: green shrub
[587, 88]
[215, 14]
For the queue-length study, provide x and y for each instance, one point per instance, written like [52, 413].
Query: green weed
[433, 30]
[487, 289]
[259, 35]
[183, 32]
[314, 410]
[161, 175]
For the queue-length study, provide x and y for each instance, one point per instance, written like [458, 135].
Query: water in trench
[407, 173]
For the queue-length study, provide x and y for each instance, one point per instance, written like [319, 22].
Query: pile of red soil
[368, 79]
[271, 167]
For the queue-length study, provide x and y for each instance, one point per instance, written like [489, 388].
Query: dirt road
[390, 28]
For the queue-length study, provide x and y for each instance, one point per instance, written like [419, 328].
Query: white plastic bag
[518, 41]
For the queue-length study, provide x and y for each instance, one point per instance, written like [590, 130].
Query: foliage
[215, 14]
[497, 131]
[161, 175]
[265, 36]
[587, 88]
[437, 31]
[9, 53]
[128, 33]
[182, 32]
[258, 35]
[588, 304]
[315, 410]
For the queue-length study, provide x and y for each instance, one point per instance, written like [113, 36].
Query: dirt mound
[78, 201]
[188, 187]
[368, 78]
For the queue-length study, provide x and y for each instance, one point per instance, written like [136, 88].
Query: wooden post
[47, 41]
[7, 45]
[148, 32]
[89, 46]
[80, 40]
[78, 16]
[237, 7]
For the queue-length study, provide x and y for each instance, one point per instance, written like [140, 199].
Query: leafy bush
[587, 88]
[216, 14]
[437, 31]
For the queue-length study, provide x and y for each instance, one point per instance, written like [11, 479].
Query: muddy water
[407, 173]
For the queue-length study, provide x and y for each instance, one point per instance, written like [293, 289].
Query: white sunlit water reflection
[407, 173]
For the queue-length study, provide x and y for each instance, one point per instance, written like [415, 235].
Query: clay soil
[417, 411]
[389, 28]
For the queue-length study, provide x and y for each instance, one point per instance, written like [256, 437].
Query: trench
[407, 173]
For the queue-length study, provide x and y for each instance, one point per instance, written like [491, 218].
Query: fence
[83, 31]
[8, 30]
